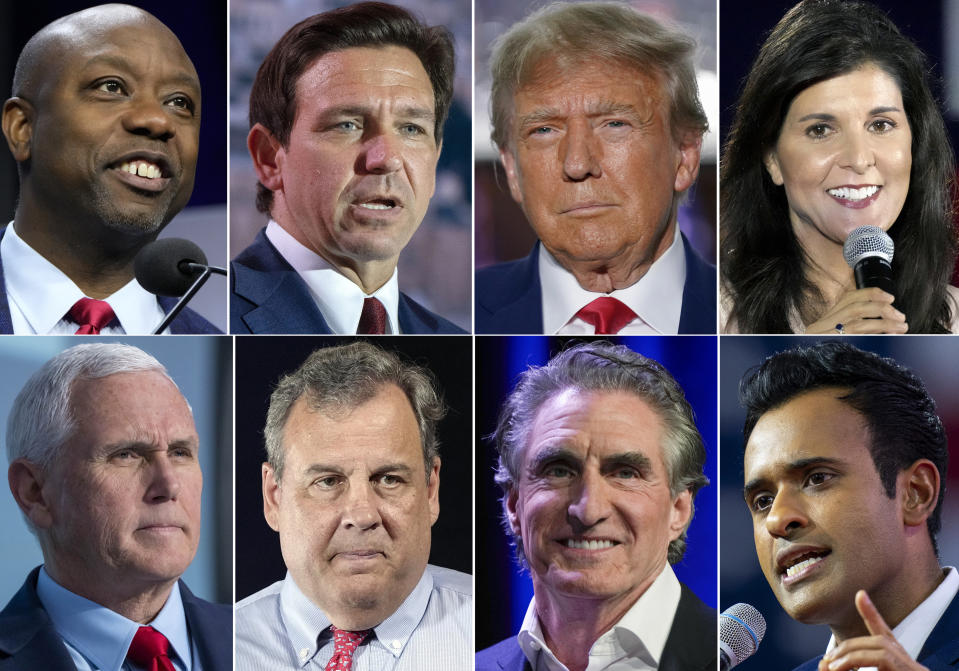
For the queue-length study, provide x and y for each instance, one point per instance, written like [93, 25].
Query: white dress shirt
[339, 299]
[634, 643]
[280, 629]
[98, 638]
[657, 298]
[40, 295]
[913, 631]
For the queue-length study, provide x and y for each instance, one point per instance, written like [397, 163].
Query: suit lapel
[6, 324]
[691, 645]
[27, 637]
[514, 298]
[698, 313]
[211, 632]
[941, 649]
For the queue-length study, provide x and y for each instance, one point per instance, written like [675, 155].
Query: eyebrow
[329, 468]
[823, 116]
[637, 460]
[181, 77]
[146, 446]
[790, 468]
[415, 112]
[600, 108]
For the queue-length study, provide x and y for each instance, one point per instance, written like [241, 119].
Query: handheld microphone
[741, 630]
[868, 251]
[173, 267]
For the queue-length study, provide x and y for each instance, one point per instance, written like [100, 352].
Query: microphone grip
[724, 664]
[874, 271]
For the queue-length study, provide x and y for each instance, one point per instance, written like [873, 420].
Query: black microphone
[173, 267]
[741, 630]
[868, 251]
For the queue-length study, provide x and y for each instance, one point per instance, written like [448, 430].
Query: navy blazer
[29, 642]
[509, 298]
[691, 645]
[187, 321]
[268, 296]
[940, 652]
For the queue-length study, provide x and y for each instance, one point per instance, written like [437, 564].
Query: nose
[581, 153]
[857, 153]
[164, 481]
[590, 502]
[786, 515]
[382, 154]
[359, 507]
[149, 118]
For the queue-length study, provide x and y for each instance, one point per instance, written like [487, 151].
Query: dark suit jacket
[187, 321]
[691, 645]
[509, 298]
[268, 296]
[28, 641]
[940, 651]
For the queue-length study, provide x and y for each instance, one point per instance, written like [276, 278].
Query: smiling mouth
[585, 544]
[141, 168]
[853, 193]
[380, 204]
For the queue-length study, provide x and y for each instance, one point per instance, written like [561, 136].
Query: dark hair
[763, 265]
[901, 416]
[365, 24]
[602, 366]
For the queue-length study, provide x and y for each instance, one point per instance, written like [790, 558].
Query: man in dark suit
[104, 125]
[346, 116]
[104, 467]
[599, 463]
[596, 115]
[844, 478]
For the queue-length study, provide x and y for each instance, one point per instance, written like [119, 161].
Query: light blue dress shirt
[280, 629]
[98, 638]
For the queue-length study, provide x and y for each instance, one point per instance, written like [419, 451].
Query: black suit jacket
[268, 296]
[509, 298]
[691, 645]
[28, 641]
[187, 321]
[940, 652]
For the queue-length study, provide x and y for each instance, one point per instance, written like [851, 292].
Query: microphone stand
[189, 267]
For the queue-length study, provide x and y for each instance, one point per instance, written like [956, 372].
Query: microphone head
[867, 241]
[157, 266]
[741, 630]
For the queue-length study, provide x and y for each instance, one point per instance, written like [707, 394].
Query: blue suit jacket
[268, 296]
[187, 321]
[509, 298]
[940, 651]
[691, 645]
[28, 641]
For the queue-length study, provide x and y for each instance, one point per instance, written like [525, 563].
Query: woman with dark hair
[836, 128]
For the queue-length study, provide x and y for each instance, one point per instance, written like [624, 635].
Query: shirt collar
[915, 628]
[339, 299]
[641, 632]
[103, 636]
[306, 623]
[44, 294]
[657, 297]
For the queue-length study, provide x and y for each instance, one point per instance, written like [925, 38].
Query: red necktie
[149, 650]
[91, 314]
[373, 317]
[607, 314]
[345, 642]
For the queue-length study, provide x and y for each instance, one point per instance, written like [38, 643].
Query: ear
[690, 148]
[433, 490]
[509, 505]
[918, 488]
[26, 484]
[512, 174]
[18, 116]
[271, 497]
[267, 154]
[771, 161]
[679, 514]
